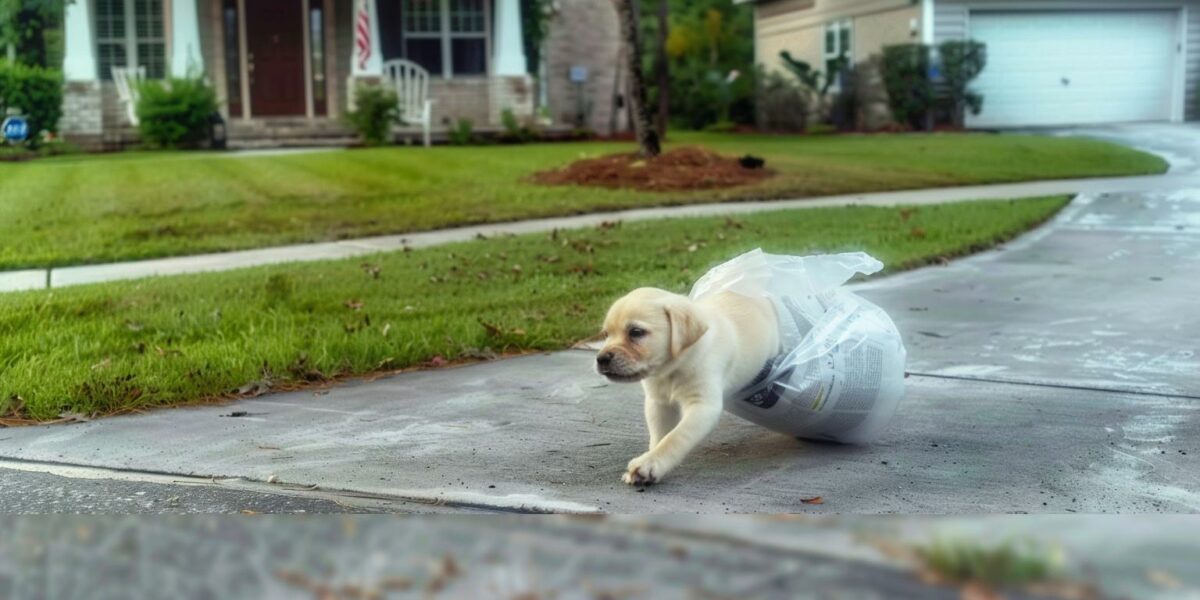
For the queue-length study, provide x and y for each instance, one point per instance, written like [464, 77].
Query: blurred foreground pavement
[534, 558]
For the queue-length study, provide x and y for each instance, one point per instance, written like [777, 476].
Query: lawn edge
[299, 384]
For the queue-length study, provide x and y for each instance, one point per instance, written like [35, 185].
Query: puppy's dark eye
[636, 332]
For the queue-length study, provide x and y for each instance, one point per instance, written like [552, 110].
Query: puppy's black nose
[604, 359]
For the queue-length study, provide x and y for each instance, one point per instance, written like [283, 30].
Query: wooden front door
[275, 57]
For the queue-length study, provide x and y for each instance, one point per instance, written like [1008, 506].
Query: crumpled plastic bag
[840, 375]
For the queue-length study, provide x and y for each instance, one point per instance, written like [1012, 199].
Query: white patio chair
[411, 83]
[128, 80]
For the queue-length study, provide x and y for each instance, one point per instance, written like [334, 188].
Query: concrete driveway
[1056, 374]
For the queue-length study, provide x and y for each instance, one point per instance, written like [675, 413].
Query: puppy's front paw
[644, 470]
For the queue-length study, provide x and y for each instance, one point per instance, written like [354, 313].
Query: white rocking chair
[128, 80]
[411, 83]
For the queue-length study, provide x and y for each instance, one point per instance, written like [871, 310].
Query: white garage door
[1065, 68]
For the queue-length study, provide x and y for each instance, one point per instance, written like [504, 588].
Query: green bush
[34, 92]
[515, 132]
[376, 110]
[780, 105]
[906, 77]
[175, 113]
[461, 134]
[962, 61]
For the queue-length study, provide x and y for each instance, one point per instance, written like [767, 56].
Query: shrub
[36, 93]
[701, 95]
[962, 61]
[376, 110]
[906, 77]
[175, 113]
[781, 106]
[515, 132]
[461, 134]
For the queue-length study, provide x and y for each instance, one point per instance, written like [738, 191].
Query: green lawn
[120, 346]
[87, 209]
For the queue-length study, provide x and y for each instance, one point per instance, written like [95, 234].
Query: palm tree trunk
[661, 70]
[646, 136]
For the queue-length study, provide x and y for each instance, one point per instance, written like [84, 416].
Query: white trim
[510, 52]
[447, 45]
[927, 22]
[307, 46]
[183, 38]
[1179, 94]
[79, 57]
[329, 56]
[243, 59]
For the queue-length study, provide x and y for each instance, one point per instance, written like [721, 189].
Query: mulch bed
[686, 168]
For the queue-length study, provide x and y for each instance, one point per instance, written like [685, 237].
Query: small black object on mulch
[750, 161]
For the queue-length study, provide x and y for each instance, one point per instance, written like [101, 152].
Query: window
[838, 44]
[130, 33]
[233, 61]
[316, 44]
[446, 37]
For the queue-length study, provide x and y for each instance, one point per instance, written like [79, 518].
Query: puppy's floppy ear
[686, 326]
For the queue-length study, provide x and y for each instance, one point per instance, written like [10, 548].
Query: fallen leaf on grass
[372, 270]
[353, 304]
[813, 500]
[918, 232]
[102, 364]
[492, 329]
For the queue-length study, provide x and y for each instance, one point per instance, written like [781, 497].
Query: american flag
[362, 33]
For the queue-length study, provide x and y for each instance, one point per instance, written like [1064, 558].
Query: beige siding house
[1050, 62]
[285, 70]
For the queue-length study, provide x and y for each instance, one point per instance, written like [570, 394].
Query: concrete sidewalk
[60, 277]
[1056, 374]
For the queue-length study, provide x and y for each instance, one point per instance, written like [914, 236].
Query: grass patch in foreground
[1007, 564]
[90, 209]
[113, 347]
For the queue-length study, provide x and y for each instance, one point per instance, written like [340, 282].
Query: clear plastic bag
[840, 376]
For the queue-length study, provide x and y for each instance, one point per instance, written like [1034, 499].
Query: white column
[509, 59]
[185, 39]
[927, 22]
[79, 60]
[373, 66]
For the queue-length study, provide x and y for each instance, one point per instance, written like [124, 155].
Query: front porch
[285, 71]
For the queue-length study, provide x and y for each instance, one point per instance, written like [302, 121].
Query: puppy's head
[645, 331]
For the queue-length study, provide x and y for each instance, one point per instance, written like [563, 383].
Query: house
[285, 70]
[1049, 62]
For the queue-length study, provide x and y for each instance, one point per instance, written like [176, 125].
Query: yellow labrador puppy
[689, 356]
